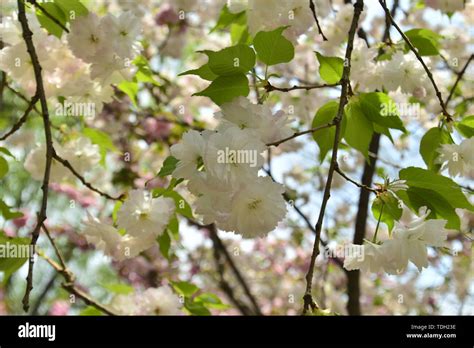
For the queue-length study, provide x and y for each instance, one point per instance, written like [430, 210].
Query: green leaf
[164, 241]
[72, 8]
[3, 167]
[225, 88]
[380, 108]
[169, 165]
[330, 68]
[101, 139]
[186, 289]
[447, 188]
[130, 88]
[6, 212]
[325, 137]
[120, 289]
[231, 60]
[51, 26]
[173, 228]
[196, 308]
[439, 207]
[211, 301]
[227, 18]
[239, 33]
[90, 311]
[425, 40]
[466, 126]
[182, 207]
[272, 47]
[359, 130]
[13, 254]
[146, 76]
[117, 207]
[7, 152]
[429, 145]
[391, 211]
[203, 72]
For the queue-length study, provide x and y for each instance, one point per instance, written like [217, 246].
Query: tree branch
[23, 119]
[27, 37]
[218, 243]
[70, 287]
[308, 298]
[362, 186]
[313, 11]
[297, 134]
[308, 223]
[460, 75]
[353, 288]
[269, 87]
[415, 51]
[49, 15]
[224, 285]
[82, 180]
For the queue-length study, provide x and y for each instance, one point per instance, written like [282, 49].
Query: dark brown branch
[308, 223]
[353, 288]
[297, 134]
[27, 37]
[70, 286]
[82, 180]
[313, 11]
[49, 15]
[308, 298]
[224, 285]
[269, 87]
[418, 56]
[460, 75]
[362, 186]
[353, 277]
[220, 245]
[22, 120]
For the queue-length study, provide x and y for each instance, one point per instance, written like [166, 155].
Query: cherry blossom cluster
[222, 168]
[82, 67]
[79, 152]
[140, 220]
[408, 243]
[152, 301]
[401, 71]
[108, 44]
[269, 15]
[458, 159]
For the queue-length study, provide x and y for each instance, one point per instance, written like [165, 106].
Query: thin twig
[308, 223]
[27, 37]
[460, 75]
[418, 56]
[313, 11]
[69, 277]
[269, 87]
[23, 119]
[297, 134]
[224, 285]
[219, 244]
[49, 15]
[362, 186]
[70, 287]
[81, 178]
[308, 298]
